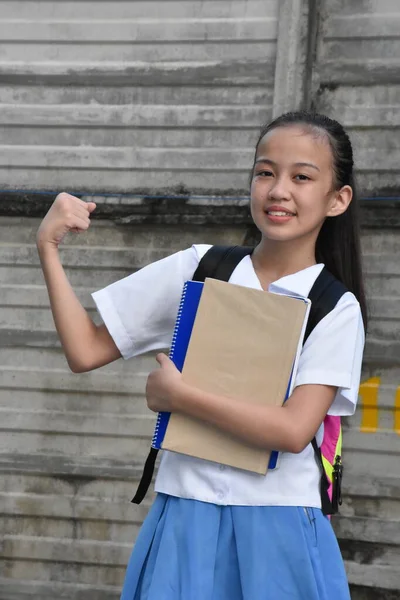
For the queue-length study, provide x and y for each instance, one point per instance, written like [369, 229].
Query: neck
[276, 259]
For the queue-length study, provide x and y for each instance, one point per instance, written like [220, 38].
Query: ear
[341, 201]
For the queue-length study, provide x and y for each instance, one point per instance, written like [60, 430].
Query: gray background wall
[154, 107]
[355, 77]
[130, 95]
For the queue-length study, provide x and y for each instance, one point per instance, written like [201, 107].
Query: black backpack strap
[219, 262]
[147, 476]
[324, 295]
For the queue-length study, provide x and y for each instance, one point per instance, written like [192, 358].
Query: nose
[280, 190]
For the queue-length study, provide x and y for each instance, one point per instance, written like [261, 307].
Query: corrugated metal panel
[357, 79]
[133, 95]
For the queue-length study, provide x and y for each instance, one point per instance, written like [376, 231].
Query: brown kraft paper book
[243, 346]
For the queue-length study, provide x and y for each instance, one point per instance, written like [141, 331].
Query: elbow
[296, 446]
[78, 366]
[75, 368]
[296, 442]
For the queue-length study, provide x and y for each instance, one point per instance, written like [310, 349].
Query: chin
[277, 234]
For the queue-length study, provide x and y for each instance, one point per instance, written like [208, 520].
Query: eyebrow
[298, 164]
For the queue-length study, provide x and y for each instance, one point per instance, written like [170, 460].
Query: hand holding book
[240, 344]
[162, 385]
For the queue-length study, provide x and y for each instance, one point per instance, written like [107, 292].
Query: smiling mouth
[280, 213]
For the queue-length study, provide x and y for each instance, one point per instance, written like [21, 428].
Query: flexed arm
[86, 345]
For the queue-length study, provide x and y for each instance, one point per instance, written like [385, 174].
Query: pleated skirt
[191, 550]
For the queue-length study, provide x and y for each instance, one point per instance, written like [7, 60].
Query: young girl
[215, 532]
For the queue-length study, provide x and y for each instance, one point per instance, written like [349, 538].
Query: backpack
[219, 262]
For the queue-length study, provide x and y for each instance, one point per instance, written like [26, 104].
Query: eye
[264, 174]
[302, 177]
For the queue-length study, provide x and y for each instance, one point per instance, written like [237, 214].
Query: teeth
[279, 213]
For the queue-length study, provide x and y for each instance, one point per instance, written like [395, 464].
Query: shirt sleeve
[333, 353]
[140, 310]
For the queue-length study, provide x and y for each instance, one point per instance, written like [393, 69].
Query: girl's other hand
[163, 386]
[67, 213]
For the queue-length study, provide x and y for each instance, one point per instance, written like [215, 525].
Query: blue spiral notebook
[183, 329]
[180, 341]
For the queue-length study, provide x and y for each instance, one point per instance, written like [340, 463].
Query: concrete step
[89, 403]
[74, 444]
[13, 378]
[368, 531]
[21, 590]
[83, 257]
[67, 523]
[362, 592]
[93, 279]
[370, 553]
[65, 550]
[19, 508]
[73, 422]
[382, 577]
[54, 358]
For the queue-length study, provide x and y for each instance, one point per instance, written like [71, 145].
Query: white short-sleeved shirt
[140, 311]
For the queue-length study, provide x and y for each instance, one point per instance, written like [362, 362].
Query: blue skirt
[190, 550]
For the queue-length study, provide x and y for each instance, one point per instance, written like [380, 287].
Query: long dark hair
[338, 243]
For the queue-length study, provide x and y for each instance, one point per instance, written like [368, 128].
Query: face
[292, 185]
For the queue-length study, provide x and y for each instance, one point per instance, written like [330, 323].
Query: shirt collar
[297, 284]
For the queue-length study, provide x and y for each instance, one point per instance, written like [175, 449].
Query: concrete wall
[133, 95]
[369, 523]
[163, 100]
[162, 96]
[72, 445]
[356, 78]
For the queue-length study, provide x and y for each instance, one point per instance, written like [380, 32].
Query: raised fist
[67, 213]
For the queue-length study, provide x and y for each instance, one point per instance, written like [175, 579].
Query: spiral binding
[178, 321]
[156, 430]
[171, 356]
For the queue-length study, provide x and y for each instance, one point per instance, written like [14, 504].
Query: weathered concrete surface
[356, 78]
[292, 58]
[72, 446]
[129, 115]
[154, 98]
[163, 135]
[180, 207]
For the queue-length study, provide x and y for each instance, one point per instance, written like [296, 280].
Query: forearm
[269, 427]
[288, 428]
[77, 332]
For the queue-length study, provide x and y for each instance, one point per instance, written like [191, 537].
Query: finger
[88, 207]
[80, 224]
[81, 211]
[70, 204]
[162, 359]
[65, 197]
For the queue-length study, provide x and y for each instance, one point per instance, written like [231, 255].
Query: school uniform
[219, 533]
